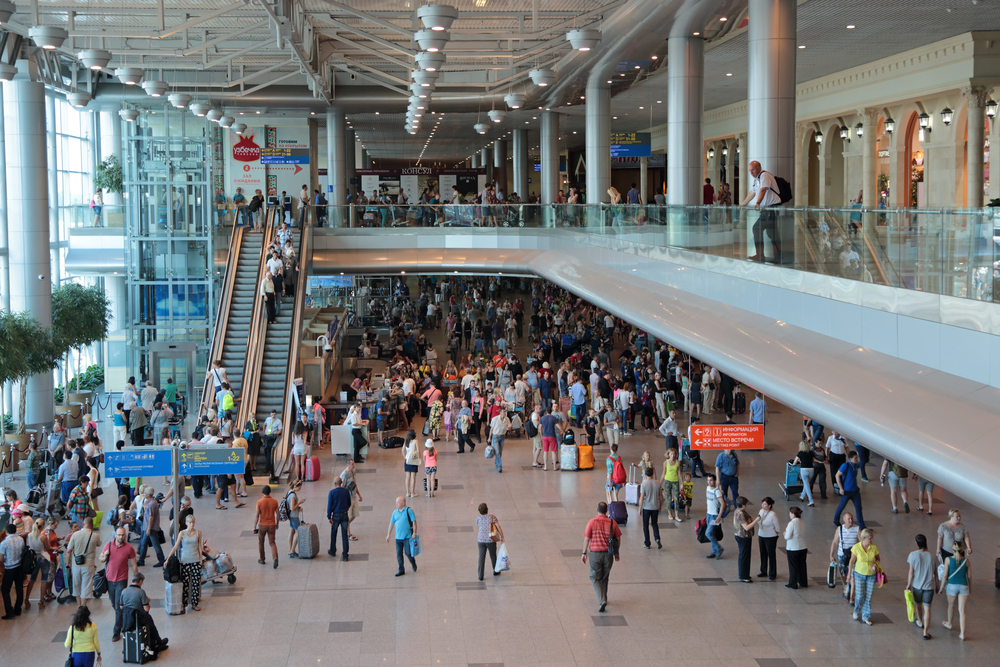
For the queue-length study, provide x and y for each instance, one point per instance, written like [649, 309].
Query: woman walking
[951, 531]
[81, 639]
[190, 545]
[957, 583]
[672, 485]
[489, 534]
[411, 459]
[795, 549]
[804, 460]
[767, 539]
[744, 527]
[864, 561]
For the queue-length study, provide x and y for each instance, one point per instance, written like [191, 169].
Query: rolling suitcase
[134, 648]
[618, 512]
[740, 403]
[568, 458]
[173, 603]
[996, 573]
[308, 540]
[586, 456]
[312, 469]
[631, 488]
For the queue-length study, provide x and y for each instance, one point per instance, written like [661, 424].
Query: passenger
[767, 539]
[844, 538]
[864, 565]
[190, 544]
[795, 549]
[921, 582]
[488, 535]
[81, 640]
[951, 531]
[744, 528]
[597, 537]
[135, 615]
[957, 583]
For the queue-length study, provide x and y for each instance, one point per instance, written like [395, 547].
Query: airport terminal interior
[542, 332]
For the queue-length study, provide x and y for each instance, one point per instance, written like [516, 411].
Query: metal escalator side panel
[222, 316]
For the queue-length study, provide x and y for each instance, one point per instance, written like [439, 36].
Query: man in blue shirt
[847, 482]
[405, 524]
[579, 394]
[727, 470]
[758, 410]
[338, 505]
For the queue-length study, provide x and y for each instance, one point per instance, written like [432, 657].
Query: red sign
[246, 150]
[727, 436]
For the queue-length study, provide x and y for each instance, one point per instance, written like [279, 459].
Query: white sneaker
[854, 616]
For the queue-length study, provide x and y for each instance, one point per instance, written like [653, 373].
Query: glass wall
[169, 245]
[70, 134]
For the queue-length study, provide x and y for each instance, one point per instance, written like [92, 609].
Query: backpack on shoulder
[784, 191]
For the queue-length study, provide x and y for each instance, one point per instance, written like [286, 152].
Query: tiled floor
[667, 607]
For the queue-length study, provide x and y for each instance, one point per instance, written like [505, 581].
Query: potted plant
[81, 316]
[26, 349]
[108, 177]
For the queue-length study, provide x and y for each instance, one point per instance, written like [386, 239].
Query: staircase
[234, 345]
[271, 389]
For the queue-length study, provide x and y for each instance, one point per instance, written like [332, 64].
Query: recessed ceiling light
[723, 19]
[574, 132]
[614, 118]
[582, 97]
[696, 34]
[729, 73]
[655, 57]
[609, 80]
[659, 101]
[622, 75]
[376, 113]
[642, 107]
[850, 27]
[637, 67]
[802, 46]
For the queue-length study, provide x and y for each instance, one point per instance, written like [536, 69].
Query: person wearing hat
[744, 526]
[430, 466]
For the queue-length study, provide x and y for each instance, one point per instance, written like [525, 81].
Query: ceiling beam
[373, 19]
[367, 35]
[368, 49]
[227, 37]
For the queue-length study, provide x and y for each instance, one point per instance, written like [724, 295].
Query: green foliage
[109, 175]
[80, 316]
[8, 423]
[90, 380]
[26, 349]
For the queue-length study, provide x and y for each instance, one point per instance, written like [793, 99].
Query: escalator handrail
[255, 336]
[282, 446]
[222, 316]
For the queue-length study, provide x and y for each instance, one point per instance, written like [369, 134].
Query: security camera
[41, 277]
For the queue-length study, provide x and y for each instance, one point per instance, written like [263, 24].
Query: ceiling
[229, 52]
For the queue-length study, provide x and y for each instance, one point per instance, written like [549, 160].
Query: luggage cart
[793, 482]
[216, 567]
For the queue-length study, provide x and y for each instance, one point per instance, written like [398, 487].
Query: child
[590, 425]
[430, 466]
[647, 462]
[687, 494]
[447, 424]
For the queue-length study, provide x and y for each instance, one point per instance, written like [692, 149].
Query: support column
[801, 157]
[349, 151]
[7, 389]
[771, 86]
[994, 157]
[549, 148]
[520, 184]
[977, 96]
[28, 222]
[730, 180]
[336, 156]
[485, 157]
[598, 140]
[743, 151]
[500, 165]
[644, 180]
[366, 162]
[685, 94]
[869, 157]
[475, 160]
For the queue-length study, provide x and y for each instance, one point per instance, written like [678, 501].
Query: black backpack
[172, 570]
[784, 189]
[530, 428]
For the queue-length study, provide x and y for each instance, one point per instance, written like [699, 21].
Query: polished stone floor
[670, 607]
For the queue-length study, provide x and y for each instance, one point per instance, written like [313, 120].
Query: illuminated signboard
[630, 144]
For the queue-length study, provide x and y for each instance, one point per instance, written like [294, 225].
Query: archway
[914, 177]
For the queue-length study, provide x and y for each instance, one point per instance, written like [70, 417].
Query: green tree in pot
[26, 349]
[81, 316]
[108, 177]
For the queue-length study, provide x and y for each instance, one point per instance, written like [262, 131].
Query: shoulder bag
[69, 659]
[80, 560]
[495, 533]
[613, 544]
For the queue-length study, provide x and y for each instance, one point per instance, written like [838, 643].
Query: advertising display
[245, 168]
[631, 144]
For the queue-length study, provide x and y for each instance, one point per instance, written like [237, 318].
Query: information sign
[213, 461]
[631, 144]
[138, 462]
[284, 156]
[727, 436]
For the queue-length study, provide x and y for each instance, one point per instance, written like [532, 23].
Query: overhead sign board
[727, 436]
[631, 144]
[284, 156]
[213, 461]
[138, 462]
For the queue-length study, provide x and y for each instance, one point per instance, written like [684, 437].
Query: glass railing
[85, 216]
[951, 252]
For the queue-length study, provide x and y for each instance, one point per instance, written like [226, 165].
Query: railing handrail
[255, 336]
[295, 347]
[222, 316]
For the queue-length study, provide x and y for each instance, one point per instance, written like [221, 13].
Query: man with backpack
[766, 194]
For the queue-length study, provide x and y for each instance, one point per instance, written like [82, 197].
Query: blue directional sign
[213, 461]
[139, 462]
[630, 144]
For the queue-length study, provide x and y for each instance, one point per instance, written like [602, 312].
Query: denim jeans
[710, 533]
[730, 482]
[650, 516]
[498, 447]
[147, 540]
[855, 497]
[32, 480]
[623, 420]
[341, 520]
[864, 586]
[403, 546]
[115, 589]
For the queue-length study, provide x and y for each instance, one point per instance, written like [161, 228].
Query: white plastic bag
[489, 452]
[503, 560]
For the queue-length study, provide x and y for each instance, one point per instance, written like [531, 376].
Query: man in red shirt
[265, 524]
[119, 557]
[708, 193]
[596, 541]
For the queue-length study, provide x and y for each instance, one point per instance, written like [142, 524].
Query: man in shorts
[534, 423]
[896, 475]
[550, 427]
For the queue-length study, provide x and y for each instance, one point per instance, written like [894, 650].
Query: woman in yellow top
[81, 639]
[864, 558]
[672, 485]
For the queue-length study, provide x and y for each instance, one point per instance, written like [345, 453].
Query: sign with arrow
[212, 461]
[727, 436]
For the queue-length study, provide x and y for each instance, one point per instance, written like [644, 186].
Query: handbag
[415, 546]
[880, 577]
[97, 492]
[69, 659]
[494, 530]
[911, 608]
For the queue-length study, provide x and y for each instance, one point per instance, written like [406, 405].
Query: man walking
[265, 524]
[498, 429]
[650, 500]
[836, 453]
[715, 502]
[670, 431]
[119, 557]
[847, 482]
[150, 529]
[84, 544]
[11, 552]
[597, 544]
[579, 394]
[338, 504]
[764, 191]
[758, 410]
[727, 471]
[405, 524]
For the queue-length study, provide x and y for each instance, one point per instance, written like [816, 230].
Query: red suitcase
[312, 469]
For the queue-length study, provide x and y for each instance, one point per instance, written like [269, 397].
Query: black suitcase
[740, 404]
[394, 442]
[996, 574]
[134, 648]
